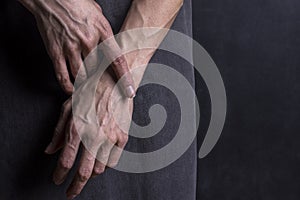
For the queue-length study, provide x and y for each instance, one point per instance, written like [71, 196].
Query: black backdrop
[254, 43]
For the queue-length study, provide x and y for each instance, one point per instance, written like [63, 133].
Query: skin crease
[110, 139]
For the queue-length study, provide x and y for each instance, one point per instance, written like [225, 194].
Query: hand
[72, 29]
[104, 145]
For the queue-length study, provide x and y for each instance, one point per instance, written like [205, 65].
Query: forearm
[147, 13]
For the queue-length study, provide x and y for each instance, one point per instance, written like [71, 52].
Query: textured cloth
[30, 105]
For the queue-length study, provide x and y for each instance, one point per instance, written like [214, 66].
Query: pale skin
[70, 41]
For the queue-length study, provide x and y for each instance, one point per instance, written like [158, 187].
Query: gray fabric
[29, 115]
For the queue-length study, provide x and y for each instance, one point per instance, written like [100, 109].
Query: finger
[90, 54]
[77, 67]
[119, 65]
[68, 155]
[83, 174]
[59, 136]
[99, 168]
[75, 62]
[62, 74]
[102, 157]
[117, 150]
[91, 60]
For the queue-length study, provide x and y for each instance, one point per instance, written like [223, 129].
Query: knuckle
[84, 174]
[90, 41]
[98, 170]
[123, 139]
[120, 61]
[106, 31]
[65, 163]
[97, 139]
[54, 52]
[62, 78]
[72, 47]
[57, 60]
[64, 81]
[72, 141]
[112, 138]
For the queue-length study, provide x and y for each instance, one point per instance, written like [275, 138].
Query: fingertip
[129, 91]
[49, 149]
[70, 197]
[52, 148]
[50, 152]
[69, 193]
[56, 180]
[47, 152]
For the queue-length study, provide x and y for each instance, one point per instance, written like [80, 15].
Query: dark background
[254, 43]
[256, 46]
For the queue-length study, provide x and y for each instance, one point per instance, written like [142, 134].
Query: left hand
[107, 143]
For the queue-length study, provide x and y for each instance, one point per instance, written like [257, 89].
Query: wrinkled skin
[71, 29]
[104, 147]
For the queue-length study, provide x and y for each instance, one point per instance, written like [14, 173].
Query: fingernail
[49, 148]
[130, 93]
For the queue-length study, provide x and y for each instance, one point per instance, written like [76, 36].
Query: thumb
[113, 53]
[122, 72]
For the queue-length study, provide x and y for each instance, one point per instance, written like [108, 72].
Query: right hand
[72, 29]
[102, 146]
